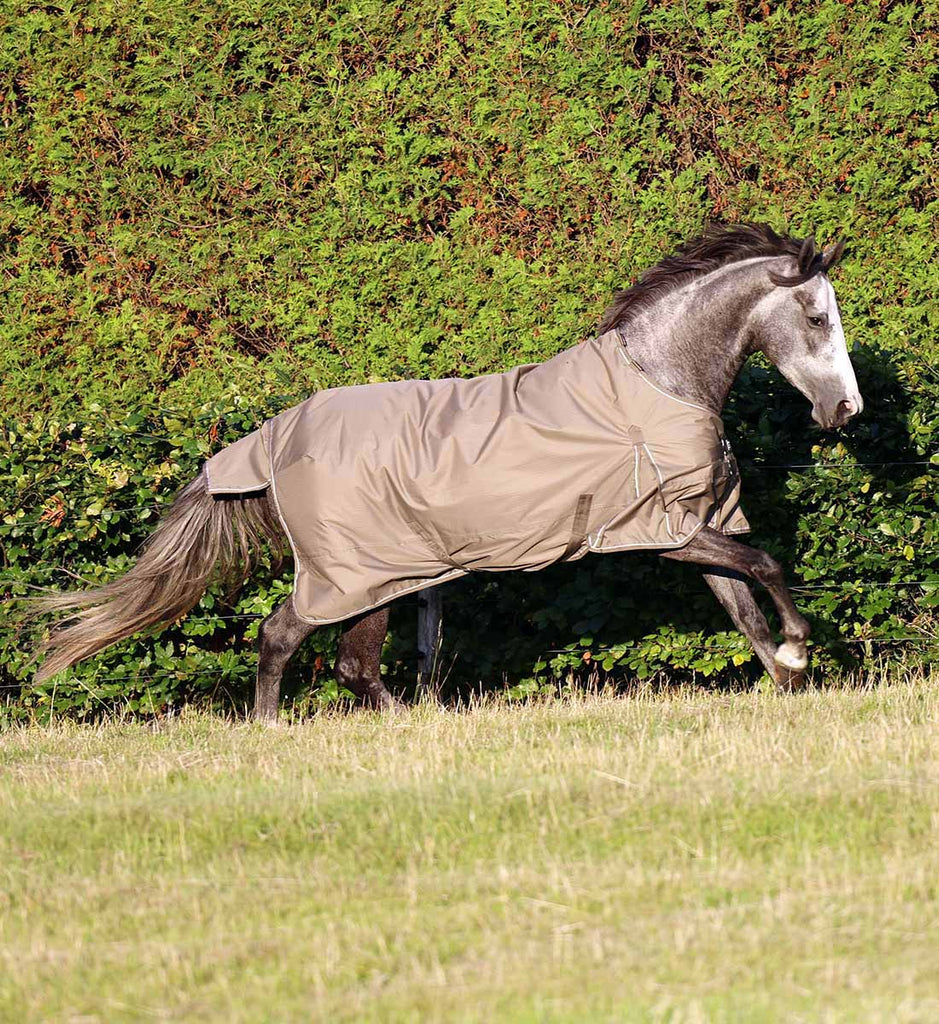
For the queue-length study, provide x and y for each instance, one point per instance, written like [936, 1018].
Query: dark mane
[717, 246]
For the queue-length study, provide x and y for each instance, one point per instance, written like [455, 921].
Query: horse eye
[817, 321]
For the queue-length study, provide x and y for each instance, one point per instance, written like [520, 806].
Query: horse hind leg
[358, 661]
[280, 635]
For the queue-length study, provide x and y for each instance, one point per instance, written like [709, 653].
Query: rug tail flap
[241, 467]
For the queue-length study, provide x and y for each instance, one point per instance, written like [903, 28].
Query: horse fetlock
[792, 655]
[797, 631]
[376, 696]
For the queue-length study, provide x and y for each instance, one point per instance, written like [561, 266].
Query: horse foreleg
[280, 635]
[709, 547]
[358, 662]
[735, 596]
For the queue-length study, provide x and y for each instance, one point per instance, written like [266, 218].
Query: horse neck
[694, 340]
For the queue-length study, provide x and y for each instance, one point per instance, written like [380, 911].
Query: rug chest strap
[578, 526]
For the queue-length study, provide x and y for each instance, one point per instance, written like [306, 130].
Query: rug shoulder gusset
[671, 504]
[711, 498]
[729, 518]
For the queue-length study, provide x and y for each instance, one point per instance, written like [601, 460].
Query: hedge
[212, 208]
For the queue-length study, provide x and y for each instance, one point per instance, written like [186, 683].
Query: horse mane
[717, 246]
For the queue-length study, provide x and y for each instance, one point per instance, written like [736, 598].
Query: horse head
[798, 327]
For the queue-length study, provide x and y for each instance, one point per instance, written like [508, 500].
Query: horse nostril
[847, 407]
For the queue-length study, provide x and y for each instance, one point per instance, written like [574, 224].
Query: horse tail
[200, 539]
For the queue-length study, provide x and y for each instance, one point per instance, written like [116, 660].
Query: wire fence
[839, 465]
[596, 655]
[51, 513]
[684, 649]
[847, 588]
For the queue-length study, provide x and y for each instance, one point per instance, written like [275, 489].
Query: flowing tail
[200, 539]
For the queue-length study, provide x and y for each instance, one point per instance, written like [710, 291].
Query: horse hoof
[382, 700]
[791, 656]
[788, 679]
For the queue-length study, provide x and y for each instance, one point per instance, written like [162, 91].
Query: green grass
[682, 857]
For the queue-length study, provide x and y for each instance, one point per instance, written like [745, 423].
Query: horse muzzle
[846, 409]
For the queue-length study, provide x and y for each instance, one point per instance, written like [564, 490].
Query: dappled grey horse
[615, 444]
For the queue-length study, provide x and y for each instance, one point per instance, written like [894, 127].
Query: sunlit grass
[684, 857]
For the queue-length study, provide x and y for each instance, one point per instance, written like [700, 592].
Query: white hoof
[791, 656]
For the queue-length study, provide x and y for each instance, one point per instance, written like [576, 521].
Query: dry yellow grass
[681, 857]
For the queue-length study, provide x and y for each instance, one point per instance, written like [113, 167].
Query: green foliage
[205, 200]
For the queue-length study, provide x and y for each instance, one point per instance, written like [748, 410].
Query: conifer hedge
[211, 208]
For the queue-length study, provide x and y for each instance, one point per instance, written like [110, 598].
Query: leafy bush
[203, 200]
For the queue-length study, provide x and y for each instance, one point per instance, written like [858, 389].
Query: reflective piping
[655, 547]
[595, 540]
[424, 585]
[668, 524]
[665, 394]
[232, 490]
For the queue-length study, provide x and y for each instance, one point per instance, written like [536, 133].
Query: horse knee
[767, 570]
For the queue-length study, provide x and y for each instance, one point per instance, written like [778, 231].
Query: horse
[615, 444]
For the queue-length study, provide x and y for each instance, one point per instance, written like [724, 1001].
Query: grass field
[682, 857]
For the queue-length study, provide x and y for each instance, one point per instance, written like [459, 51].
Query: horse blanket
[384, 489]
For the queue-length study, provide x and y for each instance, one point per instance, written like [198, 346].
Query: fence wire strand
[596, 653]
[756, 467]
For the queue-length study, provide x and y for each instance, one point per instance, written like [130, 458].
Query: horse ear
[831, 256]
[807, 255]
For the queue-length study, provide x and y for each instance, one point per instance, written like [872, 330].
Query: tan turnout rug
[387, 488]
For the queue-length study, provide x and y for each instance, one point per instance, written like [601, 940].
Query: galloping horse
[614, 444]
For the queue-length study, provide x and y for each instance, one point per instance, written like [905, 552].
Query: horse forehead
[819, 292]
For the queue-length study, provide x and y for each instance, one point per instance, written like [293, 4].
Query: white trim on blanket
[665, 394]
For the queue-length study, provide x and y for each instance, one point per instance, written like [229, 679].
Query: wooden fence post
[429, 628]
